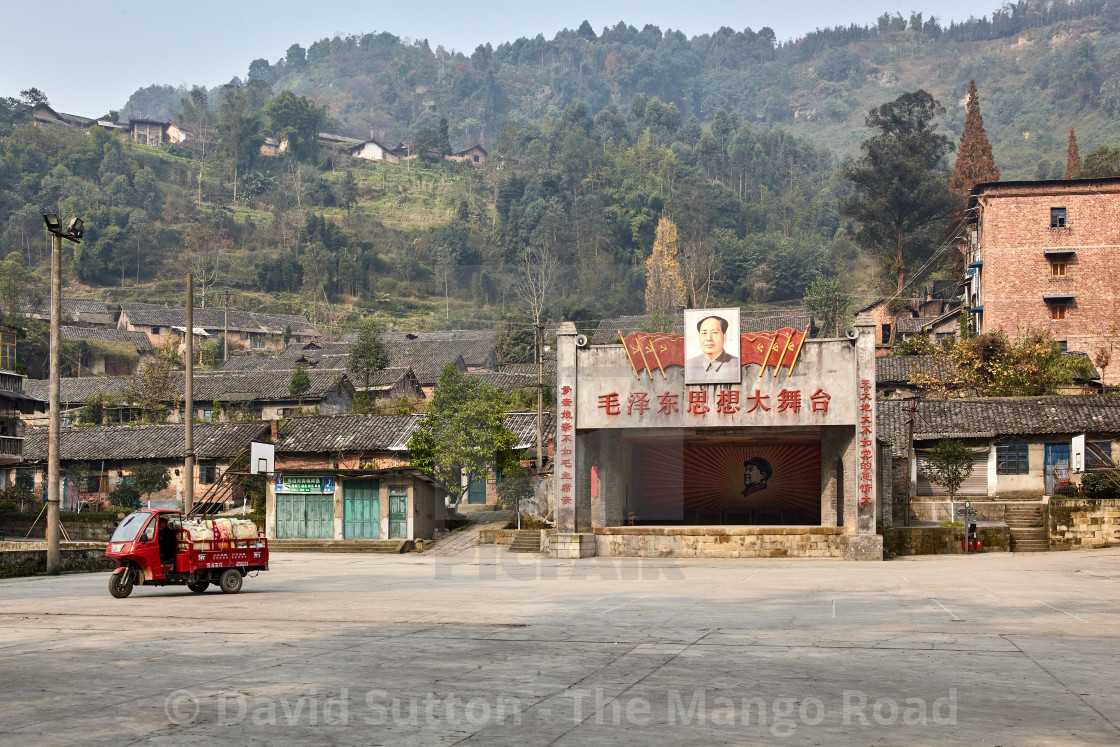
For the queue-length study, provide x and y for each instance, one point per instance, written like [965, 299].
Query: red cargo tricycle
[152, 548]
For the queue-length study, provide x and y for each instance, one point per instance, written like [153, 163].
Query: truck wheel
[120, 584]
[230, 581]
[198, 586]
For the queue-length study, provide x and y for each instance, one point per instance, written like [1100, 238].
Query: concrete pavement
[492, 647]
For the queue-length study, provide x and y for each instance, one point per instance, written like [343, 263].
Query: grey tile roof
[94, 443]
[209, 386]
[426, 358]
[154, 315]
[477, 346]
[351, 433]
[530, 369]
[507, 381]
[900, 369]
[750, 320]
[995, 417]
[138, 340]
[244, 363]
[79, 310]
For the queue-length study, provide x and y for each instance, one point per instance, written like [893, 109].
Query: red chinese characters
[866, 483]
[567, 429]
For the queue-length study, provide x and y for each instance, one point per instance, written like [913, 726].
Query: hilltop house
[252, 330]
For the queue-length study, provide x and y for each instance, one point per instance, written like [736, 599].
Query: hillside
[1041, 67]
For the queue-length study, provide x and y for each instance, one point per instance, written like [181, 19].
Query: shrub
[1101, 485]
[125, 495]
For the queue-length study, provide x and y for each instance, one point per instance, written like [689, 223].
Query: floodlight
[53, 224]
[76, 228]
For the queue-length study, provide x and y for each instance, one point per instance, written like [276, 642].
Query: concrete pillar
[566, 466]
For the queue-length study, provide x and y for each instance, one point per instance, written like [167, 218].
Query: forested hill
[1040, 65]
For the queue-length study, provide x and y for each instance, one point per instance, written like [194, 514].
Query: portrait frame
[700, 367]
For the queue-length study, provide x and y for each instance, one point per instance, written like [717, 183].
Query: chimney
[274, 429]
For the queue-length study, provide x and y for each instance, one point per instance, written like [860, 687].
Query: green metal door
[304, 516]
[398, 512]
[361, 509]
[476, 493]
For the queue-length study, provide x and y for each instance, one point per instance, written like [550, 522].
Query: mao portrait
[711, 346]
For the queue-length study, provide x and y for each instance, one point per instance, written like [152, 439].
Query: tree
[296, 120]
[975, 163]
[463, 433]
[1073, 157]
[349, 190]
[901, 195]
[151, 386]
[444, 137]
[828, 301]
[148, 477]
[1101, 163]
[425, 141]
[949, 464]
[368, 356]
[664, 287]
[299, 384]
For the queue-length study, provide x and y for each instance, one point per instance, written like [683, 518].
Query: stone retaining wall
[496, 536]
[941, 540]
[77, 529]
[1084, 523]
[31, 559]
[722, 542]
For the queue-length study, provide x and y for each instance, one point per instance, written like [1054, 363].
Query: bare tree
[700, 265]
[535, 286]
[204, 255]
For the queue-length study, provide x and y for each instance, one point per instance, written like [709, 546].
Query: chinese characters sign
[304, 484]
[866, 484]
[653, 352]
[565, 446]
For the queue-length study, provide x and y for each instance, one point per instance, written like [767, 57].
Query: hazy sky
[92, 56]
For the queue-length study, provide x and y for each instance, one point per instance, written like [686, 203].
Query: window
[8, 351]
[1057, 217]
[1011, 459]
[207, 473]
[256, 340]
[1063, 346]
[1098, 455]
[1057, 312]
[208, 414]
[155, 330]
[1058, 269]
[886, 333]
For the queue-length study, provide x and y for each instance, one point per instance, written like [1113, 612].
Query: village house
[218, 395]
[935, 312]
[902, 376]
[113, 352]
[43, 114]
[154, 133]
[251, 330]
[475, 154]
[13, 403]
[1022, 446]
[1042, 256]
[372, 150]
[81, 312]
[95, 459]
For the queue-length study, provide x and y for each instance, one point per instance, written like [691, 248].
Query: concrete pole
[225, 332]
[539, 330]
[188, 476]
[54, 556]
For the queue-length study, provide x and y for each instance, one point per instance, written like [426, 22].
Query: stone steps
[526, 540]
[391, 546]
[1030, 539]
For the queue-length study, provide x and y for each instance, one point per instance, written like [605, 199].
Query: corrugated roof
[94, 443]
[154, 315]
[995, 417]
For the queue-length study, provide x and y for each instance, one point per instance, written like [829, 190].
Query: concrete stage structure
[783, 463]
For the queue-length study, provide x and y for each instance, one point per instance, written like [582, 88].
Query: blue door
[477, 491]
[361, 509]
[1055, 466]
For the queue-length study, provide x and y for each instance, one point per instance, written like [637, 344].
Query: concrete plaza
[490, 647]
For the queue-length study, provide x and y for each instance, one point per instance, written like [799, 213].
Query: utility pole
[911, 462]
[73, 233]
[225, 332]
[188, 477]
[538, 333]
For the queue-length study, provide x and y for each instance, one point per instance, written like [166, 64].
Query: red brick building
[1045, 256]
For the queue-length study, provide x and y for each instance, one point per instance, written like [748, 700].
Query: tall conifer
[975, 163]
[1073, 157]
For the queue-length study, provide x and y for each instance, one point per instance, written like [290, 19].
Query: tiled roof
[80, 310]
[994, 417]
[426, 358]
[507, 381]
[138, 340]
[477, 347]
[243, 363]
[209, 386]
[900, 369]
[94, 443]
[752, 320]
[153, 315]
[909, 325]
[530, 369]
[350, 433]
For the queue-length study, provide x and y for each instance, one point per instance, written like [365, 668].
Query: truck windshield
[127, 530]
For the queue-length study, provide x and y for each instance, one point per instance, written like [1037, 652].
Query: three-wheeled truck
[155, 547]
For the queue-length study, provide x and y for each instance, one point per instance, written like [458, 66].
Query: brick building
[1043, 256]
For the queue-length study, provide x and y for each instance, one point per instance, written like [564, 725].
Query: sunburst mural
[731, 480]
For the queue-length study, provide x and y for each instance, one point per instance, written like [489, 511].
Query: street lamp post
[73, 232]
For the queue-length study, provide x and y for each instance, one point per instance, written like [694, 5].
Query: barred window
[1011, 459]
[1098, 455]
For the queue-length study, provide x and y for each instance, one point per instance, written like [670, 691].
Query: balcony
[11, 449]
